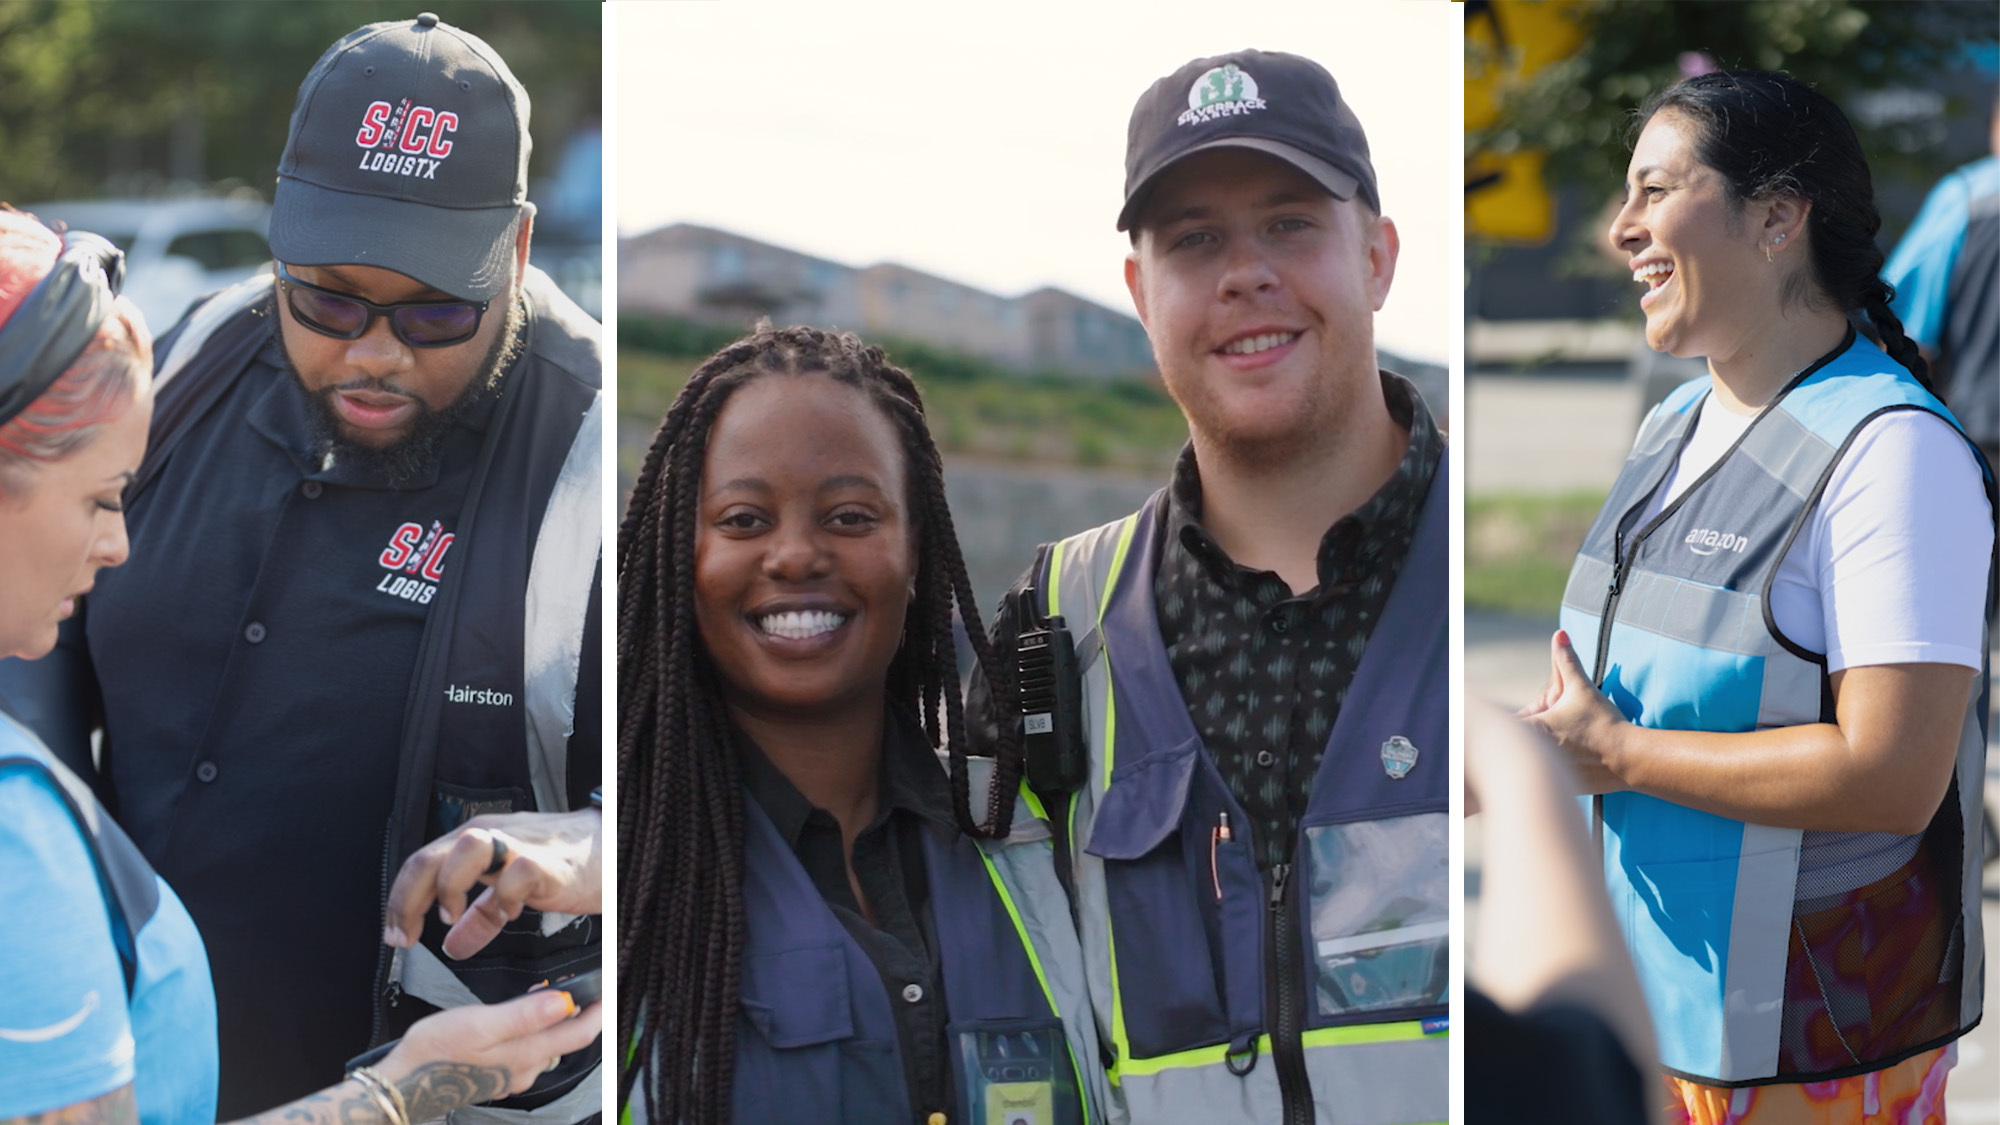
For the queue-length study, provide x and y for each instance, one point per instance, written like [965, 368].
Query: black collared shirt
[914, 798]
[1264, 671]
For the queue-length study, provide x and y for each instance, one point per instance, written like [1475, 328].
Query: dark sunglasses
[420, 324]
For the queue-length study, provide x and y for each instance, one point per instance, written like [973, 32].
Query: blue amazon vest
[1220, 987]
[1749, 938]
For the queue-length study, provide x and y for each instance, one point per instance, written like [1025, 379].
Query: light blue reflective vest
[816, 1041]
[1220, 987]
[1712, 907]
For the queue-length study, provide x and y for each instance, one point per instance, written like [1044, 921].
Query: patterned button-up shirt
[1264, 671]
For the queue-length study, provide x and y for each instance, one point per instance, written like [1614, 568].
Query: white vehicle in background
[176, 250]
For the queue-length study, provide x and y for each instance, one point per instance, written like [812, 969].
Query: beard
[417, 451]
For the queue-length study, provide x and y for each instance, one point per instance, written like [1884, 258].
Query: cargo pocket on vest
[1379, 913]
[797, 1056]
[1165, 966]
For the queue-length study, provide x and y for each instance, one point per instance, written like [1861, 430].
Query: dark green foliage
[1579, 109]
[97, 92]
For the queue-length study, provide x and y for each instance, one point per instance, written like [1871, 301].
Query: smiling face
[1258, 290]
[1699, 253]
[63, 523]
[804, 550]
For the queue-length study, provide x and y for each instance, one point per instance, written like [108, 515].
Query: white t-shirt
[1891, 565]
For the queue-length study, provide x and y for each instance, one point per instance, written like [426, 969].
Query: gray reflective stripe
[1713, 618]
[1588, 580]
[1790, 693]
[426, 978]
[1792, 455]
[1971, 772]
[582, 1101]
[1664, 430]
[1753, 998]
[1393, 1083]
[1024, 863]
[203, 323]
[559, 579]
[1082, 578]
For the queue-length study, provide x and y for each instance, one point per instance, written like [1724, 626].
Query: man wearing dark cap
[1254, 768]
[364, 600]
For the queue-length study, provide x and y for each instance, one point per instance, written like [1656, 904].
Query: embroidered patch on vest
[1399, 754]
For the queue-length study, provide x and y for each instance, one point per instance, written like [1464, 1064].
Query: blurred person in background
[106, 1007]
[1946, 271]
[365, 603]
[818, 923]
[1770, 638]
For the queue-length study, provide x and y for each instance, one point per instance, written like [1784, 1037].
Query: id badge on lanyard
[1015, 1072]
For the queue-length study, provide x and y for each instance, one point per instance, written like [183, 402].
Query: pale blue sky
[987, 144]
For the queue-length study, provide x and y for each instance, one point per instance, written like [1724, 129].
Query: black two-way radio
[1050, 692]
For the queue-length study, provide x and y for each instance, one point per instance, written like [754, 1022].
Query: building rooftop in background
[700, 273]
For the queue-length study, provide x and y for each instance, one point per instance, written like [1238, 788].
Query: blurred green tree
[1578, 109]
[131, 95]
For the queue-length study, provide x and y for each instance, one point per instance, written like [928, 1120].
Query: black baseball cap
[409, 152]
[1274, 103]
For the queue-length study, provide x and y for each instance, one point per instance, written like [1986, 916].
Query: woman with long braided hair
[819, 923]
[1770, 638]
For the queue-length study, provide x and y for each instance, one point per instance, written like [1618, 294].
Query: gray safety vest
[1721, 916]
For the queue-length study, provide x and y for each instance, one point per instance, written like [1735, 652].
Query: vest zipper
[386, 988]
[1288, 1051]
[1618, 564]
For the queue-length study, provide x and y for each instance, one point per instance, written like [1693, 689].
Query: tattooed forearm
[114, 1108]
[435, 1089]
[345, 1104]
[430, 1091]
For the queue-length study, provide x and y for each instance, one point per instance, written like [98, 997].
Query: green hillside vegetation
[1519, 547]
[977, 409]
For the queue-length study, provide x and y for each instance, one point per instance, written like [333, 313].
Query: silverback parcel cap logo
[1398, 755]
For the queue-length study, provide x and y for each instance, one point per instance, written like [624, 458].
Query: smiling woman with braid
[821, 924]
[1771, 660]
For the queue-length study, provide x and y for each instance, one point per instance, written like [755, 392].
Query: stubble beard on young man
[412, 455]
[1315, 432]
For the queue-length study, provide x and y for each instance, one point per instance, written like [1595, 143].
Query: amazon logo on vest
[1703, 541]
[405, 139]
[415, 561]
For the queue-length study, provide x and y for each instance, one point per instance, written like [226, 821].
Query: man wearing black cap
[1254, 770]
[364, 602]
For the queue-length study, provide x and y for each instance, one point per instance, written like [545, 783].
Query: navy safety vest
[816, 1041]
[1723, 919]
[1233, 995]
[511, 612]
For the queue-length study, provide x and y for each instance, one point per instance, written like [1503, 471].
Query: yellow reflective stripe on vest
[1035, 963]
[1322, 1037]
[1034, 803]
[1052, 581]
